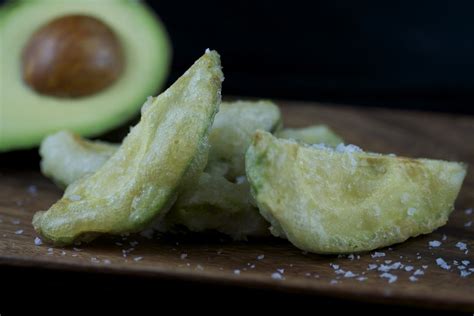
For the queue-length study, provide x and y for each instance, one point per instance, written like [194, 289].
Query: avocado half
[26, 116]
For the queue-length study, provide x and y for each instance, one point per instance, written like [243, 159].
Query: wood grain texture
[214, 258]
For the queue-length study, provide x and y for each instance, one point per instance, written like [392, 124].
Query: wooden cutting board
[23, 190]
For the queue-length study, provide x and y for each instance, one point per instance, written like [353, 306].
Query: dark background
[406, 54]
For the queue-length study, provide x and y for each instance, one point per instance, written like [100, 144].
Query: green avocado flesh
[142, 178]
[316, 134]
[234, 127]
[26, 117]
[343, 200]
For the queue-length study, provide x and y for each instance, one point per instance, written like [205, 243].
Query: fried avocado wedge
[344, 200]
[315, 134]
[234, 127]
[66, 157]
[215, 203]
[141, 180]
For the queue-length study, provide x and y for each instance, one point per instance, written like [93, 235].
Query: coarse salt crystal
[38, 241]
[16, 221]
[409, 268]
[465, 273]
[378, 254]
[350, 257]
[372, 267]
[19, 232]
[444, 238]
[462, 246]
[347, 148]
[468, 211]
[277, 276]
[419, 272]
[236, 271]
[334, 266]
[199, 267]
[388, 261]
[137, 258]
[424, 267]
[106, 261]
[349, 274]
[413, 278]
[362, 278]
[75, 197]
[434, 243]
[468, 224]
[281, 270]
[391, 278]
[183, 256]
[333, 282]
[260, 257]
[465, 262]
[252, 266]
[442, 264]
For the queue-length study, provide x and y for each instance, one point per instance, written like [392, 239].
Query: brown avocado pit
[72, 56]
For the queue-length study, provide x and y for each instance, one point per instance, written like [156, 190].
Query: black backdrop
[411, 54]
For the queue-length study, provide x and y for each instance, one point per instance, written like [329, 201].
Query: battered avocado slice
[344, 200]
[215, 203]
[66, 157]
[315, 134]
[141, 180]
[233, 128]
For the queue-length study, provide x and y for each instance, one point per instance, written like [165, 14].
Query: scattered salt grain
[468, 211]
[444, 238]
[464, 273]
[468, 224]
[413, 278]
[133, 243]
[74, 255]
[106, 261]
[409, 268]
[442, 264]
[260, 257]
[350, 257]
[237, 272]
[390, 277]
[378, 254]
[15, 221]
[252, 266]
[38, 241]
[75, 197]
[372, 266]
[419, 272]
[434, 243]
[63, 253]
[462, 246]
[334, 266]
[362, 278]
[349, 274]
[183, 256]
[277, 276]
[76, 249]
[19, 232]
[347, 148]
[465, 262]
[137, 258]
[281, 270]
[119, 244]
[333, 282]
[199, 267]
[388, 261]
[424, 267]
